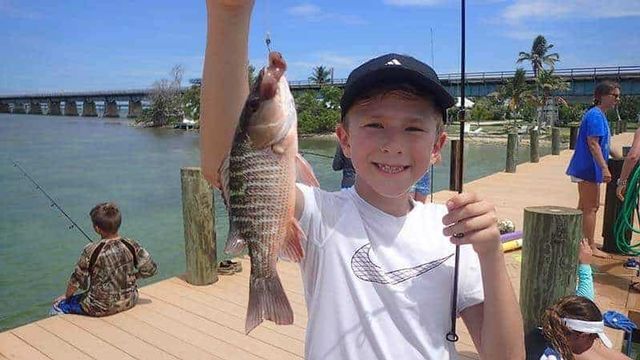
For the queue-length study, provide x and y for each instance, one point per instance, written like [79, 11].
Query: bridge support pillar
[70, 108]
[35, 108]
[135, 108]
[4, 108]
[54, 108]
[18, 108]
[111, 109]
[89, 108]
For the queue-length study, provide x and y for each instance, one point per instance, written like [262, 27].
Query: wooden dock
[175, 320]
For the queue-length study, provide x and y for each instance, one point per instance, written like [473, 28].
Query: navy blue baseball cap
[391, 69]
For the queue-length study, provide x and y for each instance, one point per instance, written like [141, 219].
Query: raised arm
[224, 80]
[630, 162]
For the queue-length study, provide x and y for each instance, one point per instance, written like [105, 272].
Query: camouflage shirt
[111, 282]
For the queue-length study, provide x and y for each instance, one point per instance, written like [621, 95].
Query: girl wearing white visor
[572, 325]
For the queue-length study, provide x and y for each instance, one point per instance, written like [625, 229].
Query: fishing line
[53, 202]
[316, 154]
[451, 335]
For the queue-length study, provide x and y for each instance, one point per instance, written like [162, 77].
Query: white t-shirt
[379, 286]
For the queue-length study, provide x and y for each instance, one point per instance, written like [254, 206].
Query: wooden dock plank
[119, 338]
[160, 339]
[14, 348]
[196, 338]
[249, 344]
[240, 285]
[217, 300]
[267, 332]
[48, 343]
[82, 339]
[238, 294]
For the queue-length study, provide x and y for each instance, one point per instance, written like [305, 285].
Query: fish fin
[235, 244]
[223, 175]
[292, 247]
[304, 172]
[267, 300]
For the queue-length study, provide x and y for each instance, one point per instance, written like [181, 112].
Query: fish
[258, 185]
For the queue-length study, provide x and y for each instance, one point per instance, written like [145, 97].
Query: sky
[73, 45]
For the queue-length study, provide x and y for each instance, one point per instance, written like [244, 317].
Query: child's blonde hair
[404, 91]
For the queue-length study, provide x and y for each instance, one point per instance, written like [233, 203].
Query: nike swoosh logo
[367, 270]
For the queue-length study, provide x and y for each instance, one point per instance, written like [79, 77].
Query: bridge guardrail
[595, 72]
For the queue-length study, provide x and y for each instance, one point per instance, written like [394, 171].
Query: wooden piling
[199, 235]
[512, 153]
[555, 141]
[549, 258]
[613, 210]
[573, 135]
[455, 180]
[534, 157]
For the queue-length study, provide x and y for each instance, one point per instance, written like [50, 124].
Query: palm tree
[548, 83]
[538, 55]
[321, 75]
[516, 90]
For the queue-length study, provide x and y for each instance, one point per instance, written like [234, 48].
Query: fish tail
[267, 300]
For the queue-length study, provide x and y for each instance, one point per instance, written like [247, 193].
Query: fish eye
[254, 103]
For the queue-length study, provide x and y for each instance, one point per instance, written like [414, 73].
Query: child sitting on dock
[108, 269]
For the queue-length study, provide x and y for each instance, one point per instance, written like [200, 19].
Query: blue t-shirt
[583, 165]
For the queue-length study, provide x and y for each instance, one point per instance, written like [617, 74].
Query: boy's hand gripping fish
[258, 184]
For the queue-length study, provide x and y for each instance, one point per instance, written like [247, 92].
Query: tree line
[519, 98]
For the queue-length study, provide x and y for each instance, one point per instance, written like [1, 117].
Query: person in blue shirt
[588, 166]
[422, 188]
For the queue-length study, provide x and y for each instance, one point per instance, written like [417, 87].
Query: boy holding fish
[377, 267]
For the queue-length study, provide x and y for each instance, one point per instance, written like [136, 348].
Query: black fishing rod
[53, 202]
[451, 335]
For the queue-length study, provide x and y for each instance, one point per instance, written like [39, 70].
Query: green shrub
[570, 113]
[318, 110]
[629, 108]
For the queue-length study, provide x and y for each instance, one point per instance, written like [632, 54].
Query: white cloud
[305, 10]
[413, 2]
[526, 9]
[313, 13]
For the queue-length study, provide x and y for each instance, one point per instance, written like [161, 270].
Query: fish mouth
[391, 169]
[271, 75]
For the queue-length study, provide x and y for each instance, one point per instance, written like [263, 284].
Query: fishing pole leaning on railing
[53, 202]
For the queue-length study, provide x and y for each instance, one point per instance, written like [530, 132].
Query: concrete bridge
[582, 82]
[66, 103]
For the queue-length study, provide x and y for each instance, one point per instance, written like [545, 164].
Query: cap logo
[393, 62]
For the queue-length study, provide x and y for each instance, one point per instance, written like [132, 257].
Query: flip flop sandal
[226, 268]
[635, 286]
[237, 266]
[631, 263]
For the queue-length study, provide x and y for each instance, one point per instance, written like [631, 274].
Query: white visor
[589, 327]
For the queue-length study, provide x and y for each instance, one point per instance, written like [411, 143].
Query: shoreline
[476, 139]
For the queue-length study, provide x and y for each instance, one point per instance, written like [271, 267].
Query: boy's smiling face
[391, 140]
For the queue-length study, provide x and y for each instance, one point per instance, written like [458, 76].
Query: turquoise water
[83, 161]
